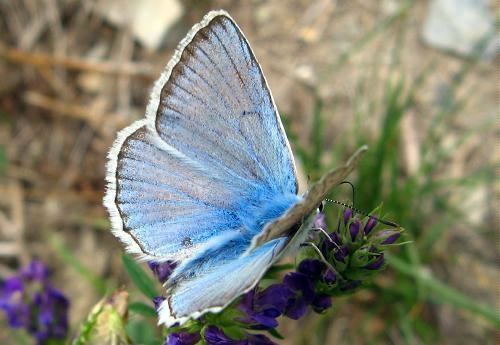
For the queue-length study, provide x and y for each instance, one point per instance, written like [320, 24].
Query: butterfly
[207, 178]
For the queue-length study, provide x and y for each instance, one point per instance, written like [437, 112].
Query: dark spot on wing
[186, 242]
[249, 112]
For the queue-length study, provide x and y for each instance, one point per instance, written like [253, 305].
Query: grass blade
[71, 260]
[142, 309]
[139, 277]
[443, 293]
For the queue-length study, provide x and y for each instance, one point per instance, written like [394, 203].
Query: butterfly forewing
[216, 108]
[211, 146]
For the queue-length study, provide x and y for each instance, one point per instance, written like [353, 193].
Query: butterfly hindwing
[213, 281]
[165, 201]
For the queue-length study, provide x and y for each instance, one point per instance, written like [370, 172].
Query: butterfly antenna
[352, 188]
[321, 257]
[383, 221]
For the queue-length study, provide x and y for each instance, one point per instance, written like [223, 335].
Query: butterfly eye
[321, 206]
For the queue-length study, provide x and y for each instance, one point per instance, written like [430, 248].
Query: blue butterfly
[208, 179]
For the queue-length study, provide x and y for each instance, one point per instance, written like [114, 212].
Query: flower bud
[347, 215]
[354, 229]
[370, 224]
[385, 237]
[110, 319]
[330, 277]
[377, 263]
[361, 256]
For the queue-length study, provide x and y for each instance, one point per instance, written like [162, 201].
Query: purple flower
[354, 229]
[162, 270]
[215, 336]
[296, 308]
[263, 308]
[370, 224]
[329, 277]
[35, 270]
[311, 267]
[300, 282]
[31, 302]
[182, 338]
[377, 263]
[321, 303]
[303, 286]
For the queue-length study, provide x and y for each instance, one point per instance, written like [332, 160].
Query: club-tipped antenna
[386, 222]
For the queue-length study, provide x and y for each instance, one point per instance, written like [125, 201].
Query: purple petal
[183, 338]
[246, 302]
[391, 238]
[386, 236]
[162, 270]
[341, 253]
[311, 267]
[321, 303]
[10, 286]
[36, 270]
[18, 315]
[259, 339]
[320, 221]
[296, 309]
[300, 282]
[157, 301]
[275, 296]
[266, 321]
[347, 215]
[330, 277]
[215, 336]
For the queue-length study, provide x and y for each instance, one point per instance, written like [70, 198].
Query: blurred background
[415, 80]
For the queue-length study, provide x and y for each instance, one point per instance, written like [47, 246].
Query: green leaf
[139, 277]
[275, 333]
[142, 332]
[142, 309]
